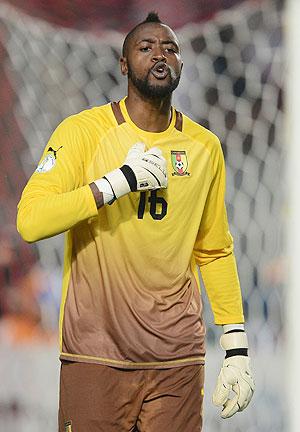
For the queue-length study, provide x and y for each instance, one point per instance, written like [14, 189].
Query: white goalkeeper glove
[235, 375]
[141, 171]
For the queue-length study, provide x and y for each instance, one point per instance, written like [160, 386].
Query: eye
[145, 49]
[171, 49]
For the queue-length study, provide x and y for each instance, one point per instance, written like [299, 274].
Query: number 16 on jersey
[158, 205]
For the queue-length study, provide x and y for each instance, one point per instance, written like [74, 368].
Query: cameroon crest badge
[179, 163]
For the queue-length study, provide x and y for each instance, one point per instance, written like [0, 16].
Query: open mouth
[160, 70]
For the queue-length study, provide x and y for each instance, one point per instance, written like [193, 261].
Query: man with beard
[131, 327]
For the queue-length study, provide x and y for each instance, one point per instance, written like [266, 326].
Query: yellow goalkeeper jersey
[131, 295]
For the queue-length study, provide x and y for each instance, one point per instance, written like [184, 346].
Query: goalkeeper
[139, 189]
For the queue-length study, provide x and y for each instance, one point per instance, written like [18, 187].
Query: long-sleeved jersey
[131, 295]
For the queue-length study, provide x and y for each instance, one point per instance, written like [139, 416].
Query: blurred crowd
[29, 296]
[120, 15]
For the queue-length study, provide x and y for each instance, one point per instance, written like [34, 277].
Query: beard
[152, 91]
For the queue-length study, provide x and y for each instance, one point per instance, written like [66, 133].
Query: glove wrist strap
[234, 340]
[104, 186]
[118, 182]
[236, 352]
[233, 327]
[130, 177]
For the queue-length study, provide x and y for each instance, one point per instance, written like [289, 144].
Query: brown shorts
[96, 398]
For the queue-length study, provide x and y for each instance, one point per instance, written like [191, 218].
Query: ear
[123, 66]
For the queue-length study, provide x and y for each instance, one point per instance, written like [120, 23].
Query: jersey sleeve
[55, 197]
[213, 250]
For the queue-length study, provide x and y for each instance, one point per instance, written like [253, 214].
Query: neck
[152, 115]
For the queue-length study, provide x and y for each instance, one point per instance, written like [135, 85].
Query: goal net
[232, 83]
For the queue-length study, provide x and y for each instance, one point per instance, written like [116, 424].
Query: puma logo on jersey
[49, 161]
[50, 149]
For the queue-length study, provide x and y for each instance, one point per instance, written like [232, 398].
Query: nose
[159, 55]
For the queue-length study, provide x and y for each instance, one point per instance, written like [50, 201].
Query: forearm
[221, 282]
[40, 217]
[44, 210]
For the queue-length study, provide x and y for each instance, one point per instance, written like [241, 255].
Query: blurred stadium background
[60, 57]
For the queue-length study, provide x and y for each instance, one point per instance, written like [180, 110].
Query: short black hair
[152, 17]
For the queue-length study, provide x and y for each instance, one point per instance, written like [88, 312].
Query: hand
[141, 171]
[235, 376]
[148, 167]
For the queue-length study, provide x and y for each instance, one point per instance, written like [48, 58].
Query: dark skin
[151, 43]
